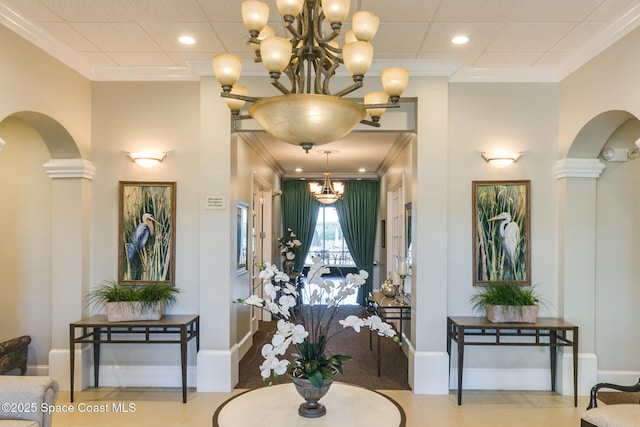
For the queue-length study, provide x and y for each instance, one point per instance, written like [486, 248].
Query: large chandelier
[308, 113]
[328, 192]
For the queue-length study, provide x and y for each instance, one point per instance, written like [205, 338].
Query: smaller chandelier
[328, 192]
[308, 113]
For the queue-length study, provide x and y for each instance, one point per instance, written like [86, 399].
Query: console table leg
[553, 349]
[575, 366]
[96, 355]
[379, 361]
[72, 351]
[183, 361]
[460, 362]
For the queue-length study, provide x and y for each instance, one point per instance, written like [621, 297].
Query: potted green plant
[507, 302]
[133, 302]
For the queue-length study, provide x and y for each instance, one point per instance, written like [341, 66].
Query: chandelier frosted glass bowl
[308, 112]
[288, 117]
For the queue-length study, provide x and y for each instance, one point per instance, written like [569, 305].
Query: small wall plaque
[215, 203]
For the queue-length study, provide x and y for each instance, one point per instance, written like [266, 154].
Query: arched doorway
[591, 194]
[48, 227]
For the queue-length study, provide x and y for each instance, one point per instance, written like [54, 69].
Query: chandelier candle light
[308, 113]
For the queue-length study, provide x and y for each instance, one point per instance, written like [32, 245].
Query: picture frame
[147, 240]
[242, 237]
[501, 232]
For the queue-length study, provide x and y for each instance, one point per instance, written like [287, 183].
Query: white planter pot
[512, 314]
[125, 311]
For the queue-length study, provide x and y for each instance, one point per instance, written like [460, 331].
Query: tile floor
[162, 407]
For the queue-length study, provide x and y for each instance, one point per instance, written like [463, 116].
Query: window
[328, 241]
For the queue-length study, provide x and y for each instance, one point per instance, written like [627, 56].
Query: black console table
[389, 308]
[546, 332]
[97, 330]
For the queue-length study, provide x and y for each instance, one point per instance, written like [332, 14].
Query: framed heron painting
[501, 232]
[147, 223]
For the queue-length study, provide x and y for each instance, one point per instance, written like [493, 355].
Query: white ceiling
[510, 40]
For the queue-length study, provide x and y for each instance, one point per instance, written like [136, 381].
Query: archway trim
[69, 168]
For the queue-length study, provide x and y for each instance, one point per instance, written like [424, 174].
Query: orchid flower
[279, 297]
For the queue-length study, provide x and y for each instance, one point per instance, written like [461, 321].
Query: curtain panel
[358, 216]
[299, 213]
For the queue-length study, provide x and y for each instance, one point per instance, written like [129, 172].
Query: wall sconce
[501, 160]
[147, 159]
[619, 154]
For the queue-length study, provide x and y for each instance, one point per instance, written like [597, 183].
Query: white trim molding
[578, 168]
[428, 372]
[69, 168]
[59, 367]
[215, 370]
[531, 379]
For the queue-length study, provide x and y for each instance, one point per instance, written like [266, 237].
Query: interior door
[261, 237]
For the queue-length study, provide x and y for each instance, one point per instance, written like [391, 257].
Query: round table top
[347, 405]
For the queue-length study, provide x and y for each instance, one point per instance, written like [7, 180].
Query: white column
[70, 219]
[576, 265]
[428, 360]
[217, 359]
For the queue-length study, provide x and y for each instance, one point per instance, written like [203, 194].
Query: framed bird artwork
[146, 243]
[501, 232]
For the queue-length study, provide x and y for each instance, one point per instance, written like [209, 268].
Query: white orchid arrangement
[288, 244]
[307, 328]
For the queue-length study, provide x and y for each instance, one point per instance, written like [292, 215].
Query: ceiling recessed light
[298, 169]
[187, 40]
[460, 39]
[362, 170]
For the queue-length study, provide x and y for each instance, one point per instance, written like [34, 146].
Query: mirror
[407, 219]
[408, 247]
[241, 248]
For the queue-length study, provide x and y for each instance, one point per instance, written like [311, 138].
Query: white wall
[455, 123]
[31, 81]
[617, 269]
[511, 117]
[25, 250]
[610, 83]
[249, 164]
[131, 117]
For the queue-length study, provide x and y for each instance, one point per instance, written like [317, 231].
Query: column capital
[578, 168]
[69, 168]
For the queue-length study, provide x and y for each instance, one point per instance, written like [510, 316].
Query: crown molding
[422, 68]
[42, 39]
[601, 41]
[261, 149]
[505, 75]
[150, 74]
[194, 70]
[395, 150]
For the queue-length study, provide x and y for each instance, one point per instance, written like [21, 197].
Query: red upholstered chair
[13, 355]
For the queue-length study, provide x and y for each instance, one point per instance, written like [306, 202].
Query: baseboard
[144, 376]
[531, 379]
[37, 370]
[59, 367]
[215, 373]
[428, 371]
[245, 344]
[618, 377]
[501, 379]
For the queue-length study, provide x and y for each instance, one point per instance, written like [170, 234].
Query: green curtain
[299, 213]
[358, 215]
